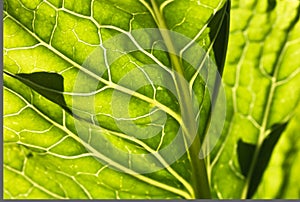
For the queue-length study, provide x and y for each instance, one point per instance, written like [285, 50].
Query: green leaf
[99, 103]
[262, 87]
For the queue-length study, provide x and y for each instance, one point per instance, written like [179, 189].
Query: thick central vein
[199, 174]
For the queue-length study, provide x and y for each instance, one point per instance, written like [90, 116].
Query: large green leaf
[85, 113]
[262, 76]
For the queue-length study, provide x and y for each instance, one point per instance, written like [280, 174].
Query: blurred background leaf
[262, 77]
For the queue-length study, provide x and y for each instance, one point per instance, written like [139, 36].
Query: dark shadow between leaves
[49, 85]
[219, 30]
[271, 5]
[245, 156]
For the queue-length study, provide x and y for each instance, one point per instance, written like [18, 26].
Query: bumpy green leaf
[85, 113]
[262, 76]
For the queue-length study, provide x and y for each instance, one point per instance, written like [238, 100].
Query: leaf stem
[199, 174]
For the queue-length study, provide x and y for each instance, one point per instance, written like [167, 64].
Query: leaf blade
[50, 36]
